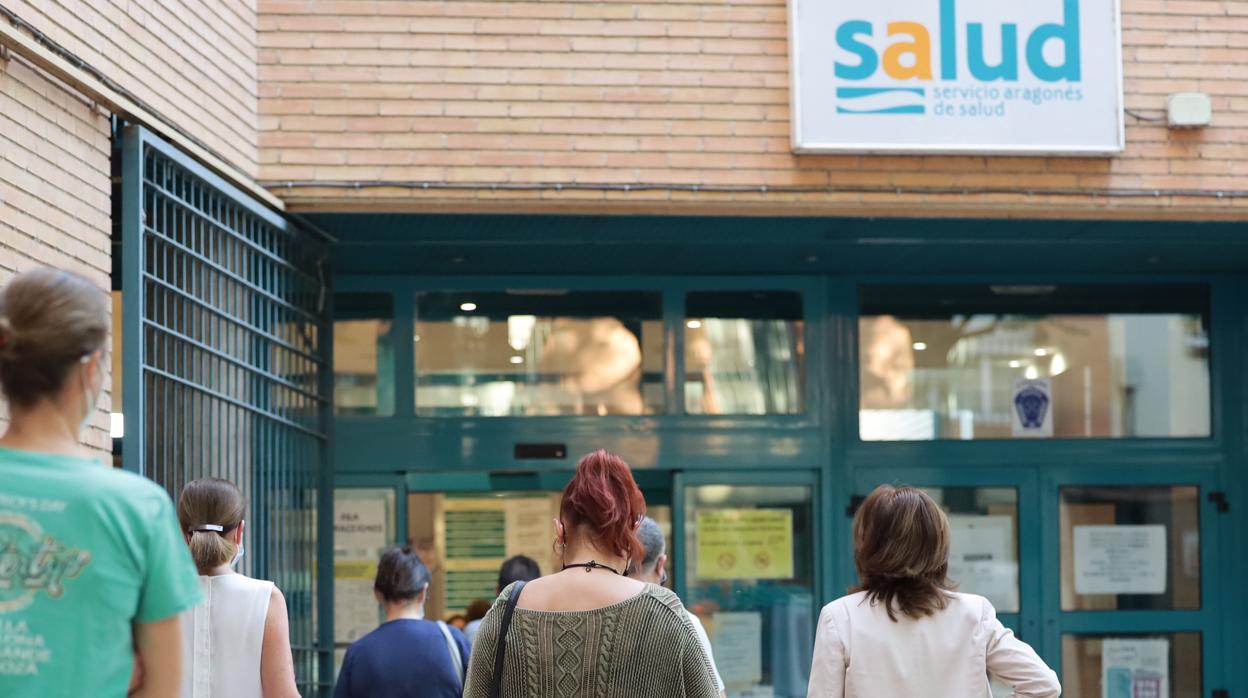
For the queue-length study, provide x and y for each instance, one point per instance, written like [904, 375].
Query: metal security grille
[226, 367]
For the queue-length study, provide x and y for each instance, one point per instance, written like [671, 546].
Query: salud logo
[891, 68]
[31, 561]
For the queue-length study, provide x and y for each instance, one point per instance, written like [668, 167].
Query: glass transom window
[1048, 361]
[539, 352]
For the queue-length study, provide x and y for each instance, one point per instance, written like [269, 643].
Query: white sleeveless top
[222, 638]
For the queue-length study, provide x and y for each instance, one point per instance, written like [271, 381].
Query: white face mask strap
[88, 400]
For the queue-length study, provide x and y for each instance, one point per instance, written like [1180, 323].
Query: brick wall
[683, 93]
[54, 187]
[194, 62]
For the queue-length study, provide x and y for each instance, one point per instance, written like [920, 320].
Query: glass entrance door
[465, 525]
[746, 563]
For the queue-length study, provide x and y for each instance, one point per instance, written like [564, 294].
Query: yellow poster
[745, 544]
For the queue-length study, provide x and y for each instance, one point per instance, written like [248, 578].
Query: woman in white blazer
[904, 632]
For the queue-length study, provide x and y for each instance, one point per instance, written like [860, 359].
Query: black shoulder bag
[496, 686]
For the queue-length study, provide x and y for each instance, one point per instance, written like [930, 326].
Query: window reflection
[949, 362]
[538, 353]
[744, 353]
[363, 354]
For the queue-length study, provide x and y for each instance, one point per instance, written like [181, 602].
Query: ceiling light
[1032, 373]
[920, 346]
[693, 324]
[1016, 364]
[1058, 365]
[1042, 352]
[517, 359]
[468, 307]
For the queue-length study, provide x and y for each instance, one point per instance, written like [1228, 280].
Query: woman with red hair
[590, 630]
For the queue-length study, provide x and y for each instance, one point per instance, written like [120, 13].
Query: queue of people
[104, 591]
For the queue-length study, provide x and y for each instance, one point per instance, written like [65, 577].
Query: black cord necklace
[593, 565]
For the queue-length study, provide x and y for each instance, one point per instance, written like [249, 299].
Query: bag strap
[500, 649]
[456, 660]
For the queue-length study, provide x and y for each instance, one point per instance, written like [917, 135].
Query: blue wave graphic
[905, 109]
[856, 92]
[880, 100]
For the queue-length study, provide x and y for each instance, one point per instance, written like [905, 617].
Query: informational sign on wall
[361, 534]
[957, 76]
[982, 559]
[745, 543]
[738, 648]
[1032, 408]
[1120, 559]
[1135, 668]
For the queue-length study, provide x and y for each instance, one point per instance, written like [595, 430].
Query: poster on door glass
[1135, 668]
[982, 559]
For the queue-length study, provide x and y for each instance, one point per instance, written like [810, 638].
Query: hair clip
[208, 527]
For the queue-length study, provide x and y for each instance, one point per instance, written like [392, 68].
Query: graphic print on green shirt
[31, 561]
[86, 552]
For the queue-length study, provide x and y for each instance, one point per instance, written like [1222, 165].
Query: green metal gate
[226, 368]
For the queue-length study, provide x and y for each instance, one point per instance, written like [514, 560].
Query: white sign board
[1133, 668]
[1042, 77]
[359, 527]
[361, 534]
[1120, 559]
[982, 559]
[738, 648]
[1032, 408]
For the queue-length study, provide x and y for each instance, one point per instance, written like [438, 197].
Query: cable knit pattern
[644, 646]
[605, 655]
[570, 640]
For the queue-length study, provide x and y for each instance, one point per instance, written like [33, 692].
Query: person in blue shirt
[408, 656]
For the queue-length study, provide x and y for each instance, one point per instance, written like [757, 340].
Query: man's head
[652, 567]
[518, 569]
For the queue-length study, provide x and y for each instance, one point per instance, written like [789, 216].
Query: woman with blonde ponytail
[237, 644]
[93, 576]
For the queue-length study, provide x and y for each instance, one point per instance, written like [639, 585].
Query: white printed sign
[1120, 559]
[982, 559]
[1132, 668]
[1032, 408]
[738, 648]
[359, 526]
[957, 76]
[361, 534]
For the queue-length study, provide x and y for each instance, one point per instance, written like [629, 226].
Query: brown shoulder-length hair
[901, 549]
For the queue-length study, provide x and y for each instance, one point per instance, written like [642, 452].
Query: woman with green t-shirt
[93, 569]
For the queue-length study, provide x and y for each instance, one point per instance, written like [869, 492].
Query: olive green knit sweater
[639, 648]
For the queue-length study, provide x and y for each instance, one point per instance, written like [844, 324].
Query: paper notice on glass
[1033, 408]
[982, 559]
[529, 528]
[1120, 559]
[356, 612]
[745, 543]
[359, 526]
[738, 647]
[1135, 668]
